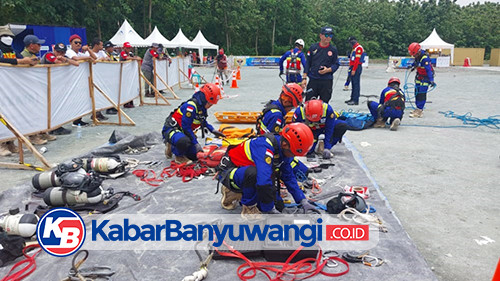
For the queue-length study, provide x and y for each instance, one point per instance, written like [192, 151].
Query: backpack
[357, 121]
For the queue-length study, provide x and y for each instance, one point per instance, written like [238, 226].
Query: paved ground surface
[442, 181]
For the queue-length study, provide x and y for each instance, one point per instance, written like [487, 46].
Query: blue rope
[492, 122]
[411, 86]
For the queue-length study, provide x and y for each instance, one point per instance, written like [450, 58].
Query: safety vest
[293, 63]
[192, 108]
[261, 128]
[315, 125]
[394, 98]
[241, 155]
[357, 52]
[421, 71]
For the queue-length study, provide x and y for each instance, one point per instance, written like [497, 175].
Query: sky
[467, 2]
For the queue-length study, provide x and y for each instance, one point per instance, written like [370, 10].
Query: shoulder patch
[268, 160]
[332, 115]
[277, 129]
[188, 114]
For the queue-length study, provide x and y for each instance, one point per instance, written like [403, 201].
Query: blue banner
[262, 61]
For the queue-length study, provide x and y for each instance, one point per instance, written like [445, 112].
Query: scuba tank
[76, 188]
[19, 224]
[103, 165]
[60, 197]
[52, 178]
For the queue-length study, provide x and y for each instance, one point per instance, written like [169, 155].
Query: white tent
[180, 40]
[435, 42]
[203, 43]
[157, 37]
[127, 34]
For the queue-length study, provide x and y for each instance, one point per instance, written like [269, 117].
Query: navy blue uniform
[179, 126]
[424, 78]
[294, 59]
[333, 129]
[390, 105]
[321, 84]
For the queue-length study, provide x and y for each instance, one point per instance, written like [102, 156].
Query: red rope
[307, 267]
[144, 176]
[28, 269]
[186, 171]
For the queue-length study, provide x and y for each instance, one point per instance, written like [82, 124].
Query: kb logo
[61, 232]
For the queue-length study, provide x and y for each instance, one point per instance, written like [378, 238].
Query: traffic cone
[197, 88]
[238, 74]
[217, 81]
[496, 275]
[466, 62]
[234, 84]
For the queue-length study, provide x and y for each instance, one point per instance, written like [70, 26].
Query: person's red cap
[73, 37]
[127, 45]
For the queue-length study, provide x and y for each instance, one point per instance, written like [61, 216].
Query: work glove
[433, 84]
[308, 207]
[218, 134]
[198, 148]
[327, 154]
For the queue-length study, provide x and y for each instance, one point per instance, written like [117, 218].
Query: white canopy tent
[180, 40]
[435, 42]
[157, 37]
[203, 43]
[127, 34]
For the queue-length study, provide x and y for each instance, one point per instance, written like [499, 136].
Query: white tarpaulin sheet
[24, 98]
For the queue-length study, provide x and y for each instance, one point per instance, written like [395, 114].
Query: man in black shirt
[321, 63]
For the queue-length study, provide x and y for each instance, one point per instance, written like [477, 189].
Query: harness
[226, 168]
[171, 126]
[293, 63]
[395, 99]
[421, 71]
[260, 126]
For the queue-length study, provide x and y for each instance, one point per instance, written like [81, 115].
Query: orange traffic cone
[197, 88]
[234, 84]
[217, 81]
[238, 74]
[466, 62]
[496, 275]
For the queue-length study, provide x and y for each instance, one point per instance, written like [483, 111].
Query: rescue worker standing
[321, 118]
[391, 105]
[177, 131]
[294, 59]
[221, 59]
[321, 63]
[356, 59]
[272, 118]
[423, 78]
[253, 169]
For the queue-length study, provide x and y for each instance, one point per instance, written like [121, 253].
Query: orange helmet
[314, 110]
[300, 138]
[413, 48]
[294, 91]
[394, 79]
[212, 93]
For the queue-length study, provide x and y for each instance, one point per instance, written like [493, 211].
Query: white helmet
[300, 42]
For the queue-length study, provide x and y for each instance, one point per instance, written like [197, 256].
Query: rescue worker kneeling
[177, 131]
[391, 105]
[253, 169]
[272, 118]
[321, 118]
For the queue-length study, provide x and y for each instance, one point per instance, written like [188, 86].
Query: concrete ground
[442, 182]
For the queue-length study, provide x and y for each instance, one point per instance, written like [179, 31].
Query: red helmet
[212, 93]
[293, 91]
[300, 138]
[394, 79]
[413, 48]
[314, 110]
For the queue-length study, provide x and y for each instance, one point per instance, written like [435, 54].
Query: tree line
[269, 27]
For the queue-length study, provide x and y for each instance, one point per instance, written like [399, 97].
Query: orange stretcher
[243, 117]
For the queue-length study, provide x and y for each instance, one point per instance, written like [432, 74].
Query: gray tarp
[402, 260]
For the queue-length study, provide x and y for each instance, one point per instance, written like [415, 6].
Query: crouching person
[178, 134]
[391, 105]
[321, 118]
[252, 170]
